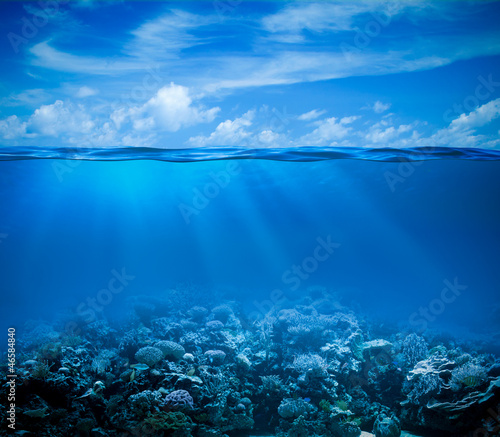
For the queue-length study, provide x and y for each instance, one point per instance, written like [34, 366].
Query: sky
[262, 74]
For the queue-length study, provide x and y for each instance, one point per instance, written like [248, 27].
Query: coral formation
[297, 372]
[149, 355]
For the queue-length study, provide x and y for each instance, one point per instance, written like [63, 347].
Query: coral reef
[187, 371]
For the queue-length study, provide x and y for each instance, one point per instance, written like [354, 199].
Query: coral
[102, 362]
[215, 357]
[171, 420]
[356, 345]
[50, 351]
[222, 313]
[85, 425]
[99, 333]
[468, 376]
[296, 373]
[198, 313]
[164, 327]
[144, 402]
[214, 325]
[293, 408]
[272, 384]
[128, 344]
[170, 349]
[214, 385]
[243, 363]
[386, 426]
[419, 390]
[40, 334]
[149, 355]
[311, 363]
[41, 370]
[414, 349]
[325, 406]
[177, 400]
[342, 405]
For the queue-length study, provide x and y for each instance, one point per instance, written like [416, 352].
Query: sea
[402, 224]
[408, 240]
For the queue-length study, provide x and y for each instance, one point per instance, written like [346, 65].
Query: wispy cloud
[48, 57]
[311, 115]
[166, 36]
[85, 91]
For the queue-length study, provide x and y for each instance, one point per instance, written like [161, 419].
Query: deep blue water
[387, 230]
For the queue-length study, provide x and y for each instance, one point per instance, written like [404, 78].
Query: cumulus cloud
[170, 109]
[12, 128]
[478, 117]
[328, 131]
[227, 133]
[462, 131]
[59, 118]
[383, 132]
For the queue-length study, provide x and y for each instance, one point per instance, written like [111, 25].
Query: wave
[294, 154]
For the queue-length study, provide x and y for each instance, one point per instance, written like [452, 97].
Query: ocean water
[407, 240]
[402, 228]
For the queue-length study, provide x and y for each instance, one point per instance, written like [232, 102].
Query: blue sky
[253, 74]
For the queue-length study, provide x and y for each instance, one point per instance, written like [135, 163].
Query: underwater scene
[241, 219]
[253, 297]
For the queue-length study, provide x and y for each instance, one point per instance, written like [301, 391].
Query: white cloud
[288, 24]
[268, 138]
[478, 117]
[170, 109]
[158, 40]
[383, 133]
[59, 118]
[311, 115]
[85, 91]
[227, 133]
[12, 128]
[379, 107]
[167, 35]
[48, 57]
[30, 97]
[462, 132]
[317, 17]
[328, 131]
